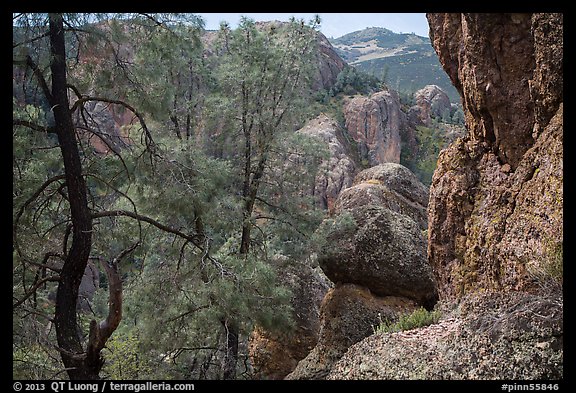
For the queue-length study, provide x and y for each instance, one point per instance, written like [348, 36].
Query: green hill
[406, 62]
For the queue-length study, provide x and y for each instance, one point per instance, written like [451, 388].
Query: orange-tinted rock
[349, 313]
[375, 123]
[275, 354]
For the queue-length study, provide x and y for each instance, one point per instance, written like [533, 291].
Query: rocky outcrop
[431, 102]
[376, 255]
[349, 313]
[275, 354]
[398, 179]
[512, 336]
[330, 64]
[384, 248]
[375, 123]
[384, 251]
[335, 173]
[496, 199]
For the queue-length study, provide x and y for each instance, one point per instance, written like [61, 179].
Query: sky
[333, 25]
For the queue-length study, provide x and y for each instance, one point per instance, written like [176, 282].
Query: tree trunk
[75, 263]
[231, 356]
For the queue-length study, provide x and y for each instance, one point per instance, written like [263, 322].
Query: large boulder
[349, 313]
[388, 185]
[375, 123]
[470, 342]
[382, 250]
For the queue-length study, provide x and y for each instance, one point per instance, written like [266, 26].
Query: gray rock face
[375, 123]
[335, 173]
[511, 336]
[385, 252]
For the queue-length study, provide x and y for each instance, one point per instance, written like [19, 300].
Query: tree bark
[231, 356]
[69, 340]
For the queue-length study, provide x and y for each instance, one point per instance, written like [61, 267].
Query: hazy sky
[333, 24]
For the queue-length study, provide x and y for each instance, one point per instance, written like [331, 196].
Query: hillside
[406, 62]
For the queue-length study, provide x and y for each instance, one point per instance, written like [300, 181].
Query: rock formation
[275, 354]
[375, 123]
[512, 336]
[384, 249]
[431, 102]
[106, 123]
[348, 314]
[337, 172]
[495, 213]
[376, 254]
[496, 200]
[397, 181]
[329, 64]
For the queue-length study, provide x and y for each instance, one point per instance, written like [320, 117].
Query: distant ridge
[407, 62]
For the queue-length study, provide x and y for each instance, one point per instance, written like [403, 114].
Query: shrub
[548, 271]
[418, 318]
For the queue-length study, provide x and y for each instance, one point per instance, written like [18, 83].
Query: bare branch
[27, 203]
[117, 213]
[188, 313]
[74, 89]
[84, 99]
[44, 263]
[33, 126]
[101, 332]
[32, 290]
[195, 239]
[39, 75]
[31, 40]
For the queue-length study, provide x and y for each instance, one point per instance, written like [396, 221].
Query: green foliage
[176, 291]
[418, 318]
[124, 359]
[430, 141]
[338, 225]
[34, 362]
[351, 81]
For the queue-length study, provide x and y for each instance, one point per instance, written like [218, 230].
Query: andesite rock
[349, 313]
[384, 251]
[502, 336]
[375, 123]
[431, 102]
[337, 172]
[384, 248]
[496, 199]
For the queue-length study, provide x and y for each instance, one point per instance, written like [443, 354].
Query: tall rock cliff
[329, 64]
[496, 199]
[375, 123]
[337, 171]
